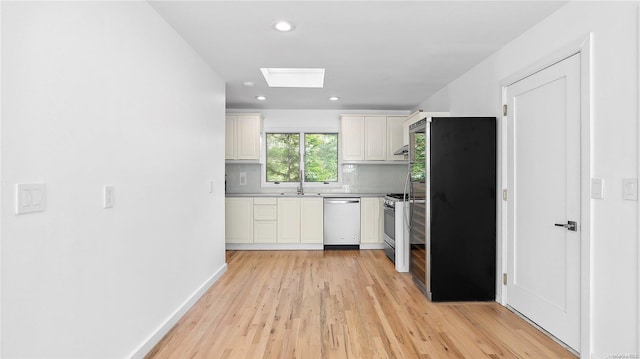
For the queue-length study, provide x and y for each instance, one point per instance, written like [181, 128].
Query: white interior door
[544, 189]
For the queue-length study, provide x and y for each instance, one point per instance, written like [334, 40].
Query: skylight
[293, 77]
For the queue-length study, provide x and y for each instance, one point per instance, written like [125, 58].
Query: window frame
[301, 145]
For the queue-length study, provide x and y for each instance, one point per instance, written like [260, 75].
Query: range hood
[402, 150]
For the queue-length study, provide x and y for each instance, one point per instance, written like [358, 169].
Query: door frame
[583, 46]
[638, 204]
[1, 183]
[638, 154]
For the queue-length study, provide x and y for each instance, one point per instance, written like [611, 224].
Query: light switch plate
[31, 198]
[597, 188]
[630, 189]
[109, 196]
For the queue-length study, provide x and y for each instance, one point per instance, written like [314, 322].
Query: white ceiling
[378, 55]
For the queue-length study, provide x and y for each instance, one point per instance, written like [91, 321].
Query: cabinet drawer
[265, 200]
[265, 212]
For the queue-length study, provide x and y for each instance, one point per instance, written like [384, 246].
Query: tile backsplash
[232, 178]
[356, 178]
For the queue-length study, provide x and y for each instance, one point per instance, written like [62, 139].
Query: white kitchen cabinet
[230, 137]
[288, 220]
[265, 208]
[242, 136]
[371, 220]
[265, 232]
[375, 138]
[352, 138]
[265, 224]
[239, 220]
[371, 137]
[395, 137]
[363, 138]
[311, 220]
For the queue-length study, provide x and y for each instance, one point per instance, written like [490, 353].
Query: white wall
[94, 94]
[614, 281]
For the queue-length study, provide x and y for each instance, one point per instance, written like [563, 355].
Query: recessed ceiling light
[283, 26]
[334, 98]
[248, 84]
[293, 77]
[260, 98]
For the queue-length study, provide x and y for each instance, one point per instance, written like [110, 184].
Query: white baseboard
[371, 245]
[275, 247]
[290, 247]
[155, 338]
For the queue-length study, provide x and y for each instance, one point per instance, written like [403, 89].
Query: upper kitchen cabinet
[242, 136]
[395, 137]
[370, 137]
[375, 138]
[352, 137]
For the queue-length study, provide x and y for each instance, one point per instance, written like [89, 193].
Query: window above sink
[295, 158]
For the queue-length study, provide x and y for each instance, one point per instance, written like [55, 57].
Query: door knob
[570, 225]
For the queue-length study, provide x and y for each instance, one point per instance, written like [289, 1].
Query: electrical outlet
[243, 178]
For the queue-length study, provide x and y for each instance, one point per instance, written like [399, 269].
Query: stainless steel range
[396, 230]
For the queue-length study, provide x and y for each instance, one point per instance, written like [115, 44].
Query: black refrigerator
[452, 171]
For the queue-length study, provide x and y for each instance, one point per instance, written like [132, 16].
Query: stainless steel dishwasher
[342, 222]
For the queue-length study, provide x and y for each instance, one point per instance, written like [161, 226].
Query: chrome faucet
[300, 188]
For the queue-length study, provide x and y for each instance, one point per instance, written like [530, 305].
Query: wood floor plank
[341, 304]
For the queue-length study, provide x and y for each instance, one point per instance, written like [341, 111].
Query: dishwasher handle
[342, 200]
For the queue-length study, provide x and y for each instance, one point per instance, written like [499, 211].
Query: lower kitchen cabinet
[300, 220]
[311, 220]
[265, 216]
[289, 220]
[265, 232]
[239, 220]
[371, 216]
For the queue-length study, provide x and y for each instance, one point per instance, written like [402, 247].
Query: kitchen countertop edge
[323, 195]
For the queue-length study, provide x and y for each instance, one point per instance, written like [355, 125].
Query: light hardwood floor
[341, 304]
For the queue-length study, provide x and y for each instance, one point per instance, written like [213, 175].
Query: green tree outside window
[283, 157]
[321, 157]
[319, 160]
